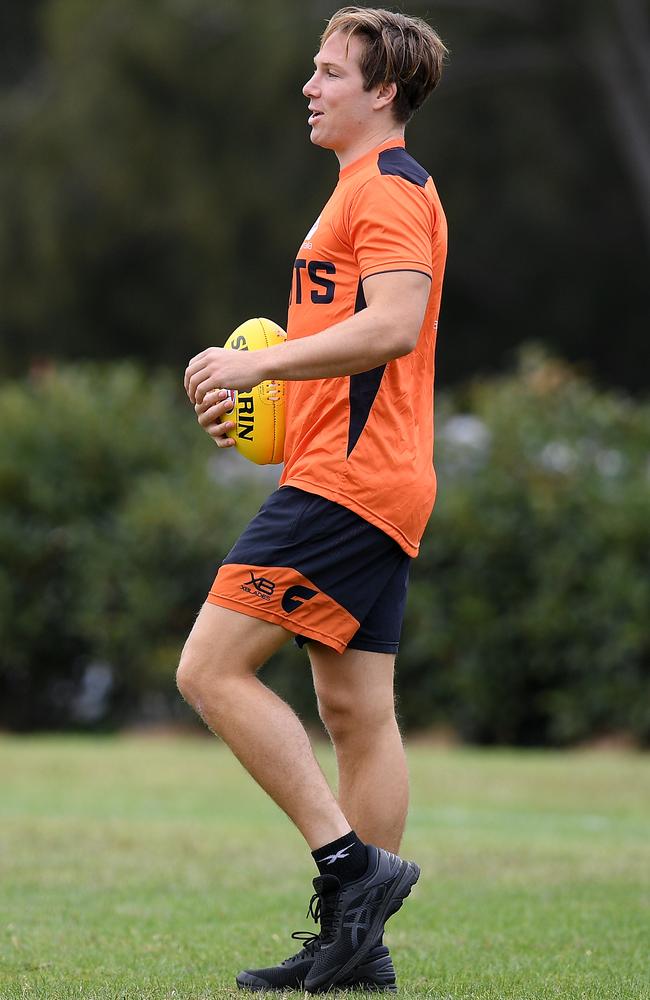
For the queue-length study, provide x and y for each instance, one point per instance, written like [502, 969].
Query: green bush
[527, 620]
[530, 605]
[112, 523]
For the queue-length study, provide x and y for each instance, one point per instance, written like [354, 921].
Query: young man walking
[334, 542]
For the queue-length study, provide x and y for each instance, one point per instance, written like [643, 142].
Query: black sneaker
[353, 915]
[375, 973]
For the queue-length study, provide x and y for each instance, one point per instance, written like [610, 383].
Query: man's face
[342, 111]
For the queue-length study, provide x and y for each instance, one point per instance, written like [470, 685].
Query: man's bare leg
[217, 677]
[356, 704]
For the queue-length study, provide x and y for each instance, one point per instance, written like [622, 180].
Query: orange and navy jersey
[366, 441]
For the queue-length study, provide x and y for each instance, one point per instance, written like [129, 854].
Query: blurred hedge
[529, 619]
[156, 176]
[111, 524]
[528, 616]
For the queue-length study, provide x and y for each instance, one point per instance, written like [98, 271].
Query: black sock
[347, 858]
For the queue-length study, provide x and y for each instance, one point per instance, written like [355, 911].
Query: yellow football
[258, 414]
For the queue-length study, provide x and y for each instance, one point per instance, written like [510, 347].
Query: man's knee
[203, 672]
[191, 675]
[210, 690]
[350, 718]
[223, 648]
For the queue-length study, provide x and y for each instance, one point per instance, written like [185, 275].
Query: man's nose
[310, 89]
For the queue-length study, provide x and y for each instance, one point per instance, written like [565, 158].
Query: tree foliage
[529, 604]
[156, 176]
[111, 527]
[528, 622]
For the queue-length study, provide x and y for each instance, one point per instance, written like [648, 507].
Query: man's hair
[396, 49]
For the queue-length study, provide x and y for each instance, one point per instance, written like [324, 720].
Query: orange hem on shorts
[264, 614]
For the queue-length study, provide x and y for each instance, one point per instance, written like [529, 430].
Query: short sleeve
[391, 227]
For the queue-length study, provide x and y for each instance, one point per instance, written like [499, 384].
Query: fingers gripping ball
[258, 415]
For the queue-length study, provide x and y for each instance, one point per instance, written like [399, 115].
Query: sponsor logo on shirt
[307, 245]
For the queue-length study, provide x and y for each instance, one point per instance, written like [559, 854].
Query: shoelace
[324, 908]
[318, 911]
[311, 940]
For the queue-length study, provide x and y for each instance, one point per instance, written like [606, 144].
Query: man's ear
[386, 94]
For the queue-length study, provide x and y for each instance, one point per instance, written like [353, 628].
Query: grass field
[132, 868]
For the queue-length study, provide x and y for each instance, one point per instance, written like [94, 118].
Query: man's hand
[218, 368]
[214, 406]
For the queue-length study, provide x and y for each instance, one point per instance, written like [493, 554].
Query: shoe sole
[255, 985]
[392, 903]
[375, 975]
[247, 982]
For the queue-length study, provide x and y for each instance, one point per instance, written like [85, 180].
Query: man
[334, 543]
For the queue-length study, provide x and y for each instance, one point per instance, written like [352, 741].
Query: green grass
[132, 868]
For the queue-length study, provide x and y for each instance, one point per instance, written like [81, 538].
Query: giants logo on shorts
[260, 586]
[295, 597]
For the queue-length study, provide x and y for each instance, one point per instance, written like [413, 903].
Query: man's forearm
[357, 344]
[387, 328]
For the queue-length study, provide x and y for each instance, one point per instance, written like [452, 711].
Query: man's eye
[329, 73]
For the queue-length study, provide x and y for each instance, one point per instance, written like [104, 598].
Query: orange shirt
[366, 441]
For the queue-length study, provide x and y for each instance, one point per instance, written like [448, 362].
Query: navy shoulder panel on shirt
[399, 163]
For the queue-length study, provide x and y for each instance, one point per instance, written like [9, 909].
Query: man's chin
[317, 140]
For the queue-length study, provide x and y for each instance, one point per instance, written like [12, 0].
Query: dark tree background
[156, 176]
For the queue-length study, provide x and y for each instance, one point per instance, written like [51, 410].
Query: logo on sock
[331, 858]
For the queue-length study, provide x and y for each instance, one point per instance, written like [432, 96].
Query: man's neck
[370, 141]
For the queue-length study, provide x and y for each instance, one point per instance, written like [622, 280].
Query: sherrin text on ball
[258, 413]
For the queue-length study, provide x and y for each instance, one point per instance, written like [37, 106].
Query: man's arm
[387, 328]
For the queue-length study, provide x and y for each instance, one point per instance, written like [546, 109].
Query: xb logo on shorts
[292, 599]
[295, 597]
[259, 585]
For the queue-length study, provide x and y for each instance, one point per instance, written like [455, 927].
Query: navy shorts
[318, 570]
